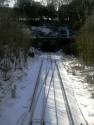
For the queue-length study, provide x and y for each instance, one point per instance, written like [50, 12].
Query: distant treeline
[11, 30]
[74, 13]
[36, 10]
[79, 14]
[85, 41]
[14, 42]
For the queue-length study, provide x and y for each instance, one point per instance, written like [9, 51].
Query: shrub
[85, 41]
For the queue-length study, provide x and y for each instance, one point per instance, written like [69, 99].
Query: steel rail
[46, 99]
[19, 122]
[31, 110]
[36, 87]
[36, 100]
[43, 85]
[69, 113]
[86, 122]
[55, 102]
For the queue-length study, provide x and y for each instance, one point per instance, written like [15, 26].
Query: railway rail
[44, 108]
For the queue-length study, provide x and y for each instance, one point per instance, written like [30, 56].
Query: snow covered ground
[82, 90]
[16, 111]
[13, 111]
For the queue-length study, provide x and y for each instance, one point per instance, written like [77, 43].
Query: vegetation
[36, 9]
[75, 13]
[14, 42]
[85, 41]
[79, 14]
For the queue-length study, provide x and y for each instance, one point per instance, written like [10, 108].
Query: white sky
[38, 0]
[9, 3]
[42, 1]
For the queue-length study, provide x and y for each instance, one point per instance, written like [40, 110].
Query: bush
[85, 41]
[14, 42]
[11, 32]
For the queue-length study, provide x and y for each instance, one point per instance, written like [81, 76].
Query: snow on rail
[75, 114]
[45, 97]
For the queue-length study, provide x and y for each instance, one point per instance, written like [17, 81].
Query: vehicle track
[71, 121]
[42, 121]
[50, 89]
[38, 94]
[54, 96]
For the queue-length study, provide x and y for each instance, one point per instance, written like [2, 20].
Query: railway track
[49, 104]
[71, 121]
[37, 93]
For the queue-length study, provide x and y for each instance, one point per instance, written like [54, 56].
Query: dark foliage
[75, 13]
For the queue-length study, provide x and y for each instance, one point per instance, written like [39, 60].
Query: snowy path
[54, 104]
[49, 106]
[44, 97]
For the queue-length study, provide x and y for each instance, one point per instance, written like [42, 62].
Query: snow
[13, 111]
[10, 3]
[16, 111]
[79, 87]
[61, 109]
